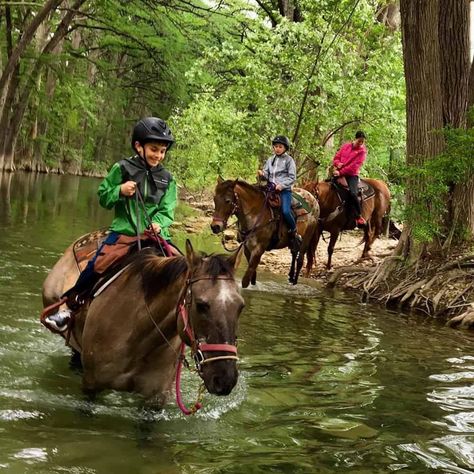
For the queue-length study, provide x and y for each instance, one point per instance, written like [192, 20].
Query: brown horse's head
[213, 303]
[224, 204]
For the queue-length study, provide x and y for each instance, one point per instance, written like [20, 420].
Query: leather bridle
[199, 346]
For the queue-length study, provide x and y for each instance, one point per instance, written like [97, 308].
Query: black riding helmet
[285, 141]
[152, 129]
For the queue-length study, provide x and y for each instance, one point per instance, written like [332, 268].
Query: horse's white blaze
[227, 292]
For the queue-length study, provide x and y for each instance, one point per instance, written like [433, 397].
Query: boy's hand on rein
[156, 227]
[128, 188]
[278, 187]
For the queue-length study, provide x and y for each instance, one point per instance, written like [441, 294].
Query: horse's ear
[191, 256]
[234, 259]
[220, 179]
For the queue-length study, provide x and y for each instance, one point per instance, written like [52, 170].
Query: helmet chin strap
[144, 156]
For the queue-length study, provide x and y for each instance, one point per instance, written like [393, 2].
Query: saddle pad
[298, 202]
[299, 205]
[85, 247]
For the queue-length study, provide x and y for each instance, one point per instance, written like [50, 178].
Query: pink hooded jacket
[348, 160]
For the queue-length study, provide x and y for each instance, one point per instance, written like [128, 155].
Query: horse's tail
[386, 220]
[388, 226]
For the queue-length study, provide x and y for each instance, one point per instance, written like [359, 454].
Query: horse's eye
[202, 306]
[228, 201]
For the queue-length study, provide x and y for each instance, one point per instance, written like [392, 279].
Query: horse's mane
[244, 184]
[159, 273]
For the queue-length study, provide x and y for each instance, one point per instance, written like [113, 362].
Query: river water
[326, 384]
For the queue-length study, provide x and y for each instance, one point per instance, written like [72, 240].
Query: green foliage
[434, 181]
[227, 80]
[252, 87]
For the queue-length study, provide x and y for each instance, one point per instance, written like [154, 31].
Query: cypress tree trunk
[455, 60]
[424, 103]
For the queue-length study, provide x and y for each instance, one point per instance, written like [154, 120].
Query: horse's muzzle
[220, 379]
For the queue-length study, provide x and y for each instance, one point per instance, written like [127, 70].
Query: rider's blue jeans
[285, 196]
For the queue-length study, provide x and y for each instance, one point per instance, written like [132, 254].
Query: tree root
[427, 286]
[337, 274]
[464, 320]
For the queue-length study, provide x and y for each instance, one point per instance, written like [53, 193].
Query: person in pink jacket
[347, 162]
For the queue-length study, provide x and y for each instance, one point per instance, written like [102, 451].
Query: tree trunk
[455, 63]
[423, 97]
[454, 49]
[16, 118]
[389, 15]
[27, 153]
[5, 116]
[13, 60]
[290, 10]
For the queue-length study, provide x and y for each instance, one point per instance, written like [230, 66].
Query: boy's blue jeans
[285, 196]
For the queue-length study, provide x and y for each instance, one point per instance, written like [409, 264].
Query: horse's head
[225, 203]
[213, 304]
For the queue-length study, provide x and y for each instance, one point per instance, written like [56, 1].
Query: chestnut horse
[129, 336]
[331, 220]
[260, 228]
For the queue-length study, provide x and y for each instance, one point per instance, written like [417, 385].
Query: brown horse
[129, 336]
[334, 221]
[260, 227]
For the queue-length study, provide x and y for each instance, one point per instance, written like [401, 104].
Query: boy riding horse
[143, 174]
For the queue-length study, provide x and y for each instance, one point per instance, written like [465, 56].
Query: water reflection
[327, 384]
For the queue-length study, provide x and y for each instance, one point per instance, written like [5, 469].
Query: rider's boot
[60, 320]
[294, 241]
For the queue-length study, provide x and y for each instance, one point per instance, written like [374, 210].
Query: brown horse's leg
[311, 250]
[254, 260]
[369, 237]
[292, 275]
[332, 243]
[253, 277]
[299, 265]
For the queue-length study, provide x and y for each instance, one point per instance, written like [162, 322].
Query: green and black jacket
[157, 187]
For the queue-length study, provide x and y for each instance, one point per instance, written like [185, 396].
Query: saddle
[299, 206]
[364, 190]
[113, 258]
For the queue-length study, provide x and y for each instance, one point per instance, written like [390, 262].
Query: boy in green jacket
[157, 193]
